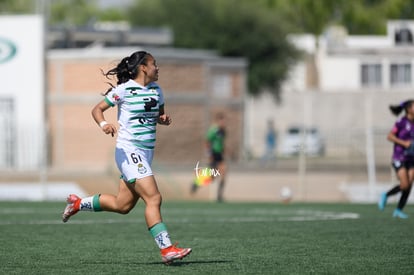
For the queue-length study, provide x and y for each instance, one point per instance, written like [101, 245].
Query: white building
[22, 93]
[364, 61]
[342, 86]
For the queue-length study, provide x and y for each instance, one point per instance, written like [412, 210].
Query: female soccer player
[402, 135]
[140, 104]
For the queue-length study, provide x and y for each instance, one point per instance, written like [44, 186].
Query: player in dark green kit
[215, 143]
[215, 138]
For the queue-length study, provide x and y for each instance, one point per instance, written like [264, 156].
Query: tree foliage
[253, 29]
[304, 15]
[72, 12]
[358, 16]
[232, 27]
[16, 6]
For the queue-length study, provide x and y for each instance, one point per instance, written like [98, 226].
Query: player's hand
[407, 143]
[109, 129]
[164, 119]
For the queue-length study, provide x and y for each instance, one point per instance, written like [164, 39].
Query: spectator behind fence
[270, 142]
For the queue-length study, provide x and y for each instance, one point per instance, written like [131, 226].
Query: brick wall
[75, 84]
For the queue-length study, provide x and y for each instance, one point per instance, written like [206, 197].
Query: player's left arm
[163, 118]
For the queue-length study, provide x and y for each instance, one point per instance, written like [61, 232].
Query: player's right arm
[98, 116]
[392, 136]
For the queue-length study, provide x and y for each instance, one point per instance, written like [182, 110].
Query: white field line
[209, 216]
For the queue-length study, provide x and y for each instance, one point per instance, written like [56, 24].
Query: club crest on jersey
[116, 97]
[141, 168]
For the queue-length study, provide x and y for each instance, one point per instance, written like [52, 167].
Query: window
[371, 75]
[400, 74]
[403, 36]
[222, 86]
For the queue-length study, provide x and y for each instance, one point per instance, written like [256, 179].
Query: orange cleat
[173, 253]
[71, 208]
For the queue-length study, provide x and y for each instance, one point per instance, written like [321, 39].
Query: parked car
[292, 143]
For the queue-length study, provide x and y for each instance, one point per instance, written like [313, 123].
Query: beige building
[196, 84]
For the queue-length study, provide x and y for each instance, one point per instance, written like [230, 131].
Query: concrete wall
[342, 118]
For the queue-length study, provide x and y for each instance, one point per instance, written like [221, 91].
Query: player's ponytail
[126, 69]
[397, 109]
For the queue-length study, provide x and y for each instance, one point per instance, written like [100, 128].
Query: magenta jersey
[403, 129]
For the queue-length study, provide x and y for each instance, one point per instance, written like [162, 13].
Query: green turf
[228, 238]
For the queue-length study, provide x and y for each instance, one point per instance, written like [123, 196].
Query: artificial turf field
[227, 238]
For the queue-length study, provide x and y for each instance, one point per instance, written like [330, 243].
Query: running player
[402, 135]
[216, 135]
[140, 104]
[215, 143]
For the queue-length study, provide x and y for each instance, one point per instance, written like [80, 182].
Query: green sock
[96, 204]
[160, 234]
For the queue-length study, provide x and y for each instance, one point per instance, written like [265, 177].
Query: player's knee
[155, 199]
[124, 209]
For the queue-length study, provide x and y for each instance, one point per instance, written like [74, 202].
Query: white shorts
[134, 164]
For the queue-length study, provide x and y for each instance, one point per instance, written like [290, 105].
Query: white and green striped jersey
[138, 112]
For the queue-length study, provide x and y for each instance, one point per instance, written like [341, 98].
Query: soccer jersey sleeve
[161, 97]
[397, 126]
[114, 96]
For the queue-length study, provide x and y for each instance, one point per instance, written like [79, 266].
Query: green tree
[112, 14]
[363, 17]
[358, 16]
[260, 36]
[72, 12]
[254, 29]
[17, 6]
[399, 9]
[309, 17]
[232, 27]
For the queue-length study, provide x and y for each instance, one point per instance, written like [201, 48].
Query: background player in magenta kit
[140, 104]
[402, 135]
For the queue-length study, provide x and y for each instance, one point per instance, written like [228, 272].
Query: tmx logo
[7, 50]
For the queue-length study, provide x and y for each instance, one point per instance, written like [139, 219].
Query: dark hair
[397, 109]
[128, 68]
